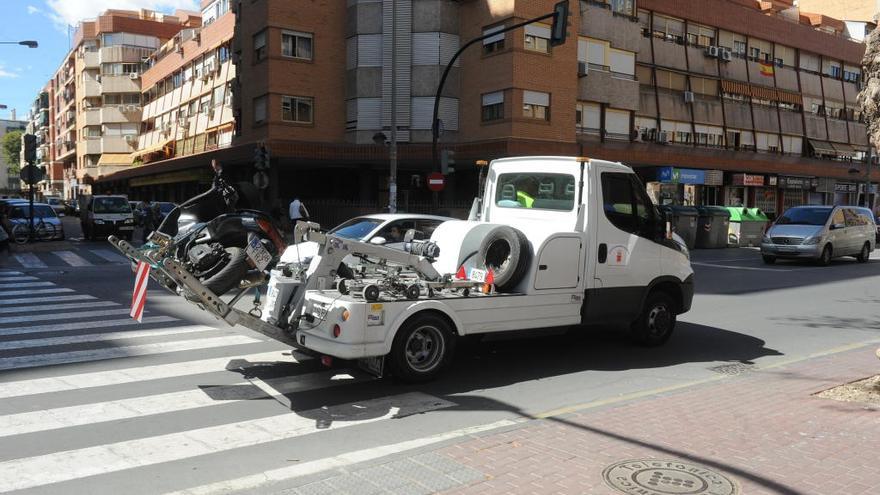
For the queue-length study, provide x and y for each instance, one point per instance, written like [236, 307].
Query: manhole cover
[733, 369]
[666, 477]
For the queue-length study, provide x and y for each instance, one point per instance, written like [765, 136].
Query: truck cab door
[627, 255]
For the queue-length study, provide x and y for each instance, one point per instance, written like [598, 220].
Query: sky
[24, 71]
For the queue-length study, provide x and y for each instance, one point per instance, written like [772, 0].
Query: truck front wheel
[421, 348]
[657, 321]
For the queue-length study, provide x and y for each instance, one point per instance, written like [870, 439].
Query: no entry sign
[436, 181]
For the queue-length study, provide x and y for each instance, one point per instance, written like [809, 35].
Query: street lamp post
[27, 43]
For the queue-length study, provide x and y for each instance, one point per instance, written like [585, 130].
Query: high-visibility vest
[524, 199]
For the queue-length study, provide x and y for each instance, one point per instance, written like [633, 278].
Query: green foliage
[11, 149]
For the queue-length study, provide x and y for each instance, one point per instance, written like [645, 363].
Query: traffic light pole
[31, 201]
[435, 126]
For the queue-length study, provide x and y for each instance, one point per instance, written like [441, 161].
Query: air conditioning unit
[205, 77]
[688, 96]
[133, 75]
[663, 137]
[711, 51]
[726, 55]
[166, 127]
[582, 68]
[211, 113]
[131, 139]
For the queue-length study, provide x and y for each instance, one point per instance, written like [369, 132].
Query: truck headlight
[99, 221]
[811, 241]
[129, 221]
[766, 239]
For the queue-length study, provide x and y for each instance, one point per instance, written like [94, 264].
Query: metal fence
[330, 213]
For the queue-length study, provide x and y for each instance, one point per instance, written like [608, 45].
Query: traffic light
[447, 160]
[261, 157]
[559, 30]
[29, 142]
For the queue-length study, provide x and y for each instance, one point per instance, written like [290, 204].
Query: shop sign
[681, 175]
[873, 188]
[824, 185]
[714, 178]
[794, 183]
[845, 187]
[771, 181]
[748, 180]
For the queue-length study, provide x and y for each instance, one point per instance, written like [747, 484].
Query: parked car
[18, 214]
[4, 240]
[821, 233]
[57, 204]
[102, 215]
[382, 228]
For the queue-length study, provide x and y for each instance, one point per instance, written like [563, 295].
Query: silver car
[821, 233]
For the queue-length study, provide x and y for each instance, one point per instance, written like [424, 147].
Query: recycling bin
[754, 223]
[712, 227]
[684, 222]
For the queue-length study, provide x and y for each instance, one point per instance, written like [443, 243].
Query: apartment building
[9, 180]
[41, 118]
[712, 101]
[858, 15]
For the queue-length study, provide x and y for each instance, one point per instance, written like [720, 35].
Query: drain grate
[733, 368]
[666, 477]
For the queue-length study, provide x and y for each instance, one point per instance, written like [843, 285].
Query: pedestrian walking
[297, 211]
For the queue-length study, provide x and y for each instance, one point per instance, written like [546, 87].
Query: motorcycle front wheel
[231, 274]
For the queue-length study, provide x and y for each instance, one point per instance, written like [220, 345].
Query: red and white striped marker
[139, 295]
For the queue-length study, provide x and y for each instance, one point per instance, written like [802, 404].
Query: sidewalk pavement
[762, 431]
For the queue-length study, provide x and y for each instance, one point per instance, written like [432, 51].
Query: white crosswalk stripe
[72, 258]
[57, 358]
[106, 378]
[53, 290]
[44, 469]
[100, 337]
[30, 260]
[22, 278]
[84, 325]
[45, 299]
[5, 320]
[22, 285]
[108, 255]
[56, 307]
[10, 274]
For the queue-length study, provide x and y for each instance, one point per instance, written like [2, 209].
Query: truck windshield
[111, 205]
[804, 216]
[356, 228]
[535, 190]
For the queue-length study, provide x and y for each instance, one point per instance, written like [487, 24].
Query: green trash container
[712, 227]
[754, 223]
[684, 222]
[735, 225]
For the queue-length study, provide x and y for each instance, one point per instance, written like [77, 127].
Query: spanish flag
[766, 68]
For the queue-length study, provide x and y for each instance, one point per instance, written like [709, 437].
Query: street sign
[25, 174]
[436, 181]
[261, 180]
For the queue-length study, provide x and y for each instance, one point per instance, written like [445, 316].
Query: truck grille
[787, 240]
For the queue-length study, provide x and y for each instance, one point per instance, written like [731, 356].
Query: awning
[735, 87]
[764, 93]
[150, 149]
[115, 159]
[844, 149]
[822, 147]
[793, 98]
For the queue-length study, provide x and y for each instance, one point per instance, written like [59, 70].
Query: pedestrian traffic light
[261, 157]
[447, 160]
[29, 142]
[559, 30]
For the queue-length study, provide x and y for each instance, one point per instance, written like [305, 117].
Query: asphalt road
[94, 404]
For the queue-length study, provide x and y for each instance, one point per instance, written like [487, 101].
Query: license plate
[785, 249]
[320, 312]
[477, 275]
[257, 253]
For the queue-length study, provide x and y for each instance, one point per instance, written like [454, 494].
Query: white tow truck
[553, 242]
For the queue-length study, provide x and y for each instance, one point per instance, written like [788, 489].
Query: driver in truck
[526, 190]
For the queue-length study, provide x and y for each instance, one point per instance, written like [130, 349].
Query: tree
[11, 149]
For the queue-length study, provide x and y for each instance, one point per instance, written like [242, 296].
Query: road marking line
[108, 255]
[7, 274]
[55, 307]
[45, 299]
[732, 267]
[30, 260]
[42, 470]
[72, 258]
[82, 325]
[143, 373]
[4, 320]
[135, 407]
[21, 285]
[340, 461]
[17, 279]
[100, 337]
[57, 358]
[53, 290]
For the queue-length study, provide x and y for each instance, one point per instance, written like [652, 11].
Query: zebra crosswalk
[74, 257]
[92, 401]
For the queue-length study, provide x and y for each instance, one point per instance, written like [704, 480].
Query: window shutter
[536, 98]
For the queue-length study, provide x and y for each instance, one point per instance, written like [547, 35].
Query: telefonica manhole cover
[666, 477]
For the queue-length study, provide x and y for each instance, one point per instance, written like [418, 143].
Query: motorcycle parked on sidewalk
[218, 237]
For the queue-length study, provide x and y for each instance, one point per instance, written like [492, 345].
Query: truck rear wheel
[422, 348]
[657, 321]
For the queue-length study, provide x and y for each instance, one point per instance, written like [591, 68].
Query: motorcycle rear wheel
[230, 275]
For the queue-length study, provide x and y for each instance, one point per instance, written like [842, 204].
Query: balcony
[111, 114]
[120, 84]
[92, 60]
[815, 127]
[619, 91]
[93, 116]
[91, 89]
[117, 144]
[91, 146]
[598, 21]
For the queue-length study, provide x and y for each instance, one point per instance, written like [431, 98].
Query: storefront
[739, 192]
[766, 197]
[683, 186]
[794, 191]
[845, 193]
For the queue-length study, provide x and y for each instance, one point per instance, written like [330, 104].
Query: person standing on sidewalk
[149, 223]
[297, 211]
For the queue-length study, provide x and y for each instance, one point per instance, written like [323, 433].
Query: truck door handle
[542, 267]
[603, 253]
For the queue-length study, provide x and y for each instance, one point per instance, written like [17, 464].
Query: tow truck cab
[590, 247]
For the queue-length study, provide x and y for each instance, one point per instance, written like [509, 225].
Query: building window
[296, 45]
[850, 76]
[493, 106]
[755, 53]
[223, 53]
[177, 79]
[495, 43]
[259, 109]
[297, 109]
[536, 105]
[259, 46]
[625, 7]
[537, 38]
[835, 71]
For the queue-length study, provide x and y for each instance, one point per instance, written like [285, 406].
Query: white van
[821, 233]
